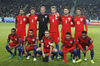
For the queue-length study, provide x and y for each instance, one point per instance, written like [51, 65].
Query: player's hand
[28, 46]
[10, 48]
[43, 55]
[49, 59]
[84, 51]
[26, 54]
[28, 15]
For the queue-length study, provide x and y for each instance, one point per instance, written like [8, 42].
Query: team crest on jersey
[81, 19]
[71, 42]
[56, 17]
[15, 39]
[49, 43]
[24, 19]
[45, 16]
[41, 40]
[69, 19]
[33, 39]
[35, 17]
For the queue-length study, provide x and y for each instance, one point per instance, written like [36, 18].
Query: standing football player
[20, 25]
[84, 41]
[54, 22]
[16, 41]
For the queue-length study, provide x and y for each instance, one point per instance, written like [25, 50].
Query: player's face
[84, 35]
[53, 10]
[32, 11]
[42, 10]
[78, 12]
[47, 34]
[21, 12]
[67, 36]
[66, 11]
[13, 32]
[30, 33]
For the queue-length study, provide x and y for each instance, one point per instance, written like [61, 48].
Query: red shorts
[30, 48]
[55, 36]
[63, 36]
[34, 32]
[22, 34]
[76, 36]
[12, 44]
[47, 50]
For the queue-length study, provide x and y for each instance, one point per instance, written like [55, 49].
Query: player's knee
[74, 51]
[56, 50]
[19, 48]
[60, 52]
[6, 46]
[35, 47]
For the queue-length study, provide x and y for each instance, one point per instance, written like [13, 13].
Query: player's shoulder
[83, 17]
[43, 37]
[89, 38]
[36, 15]
[18, 35]
[72, 38]
[79, 37]
[10, 35]
[69, 16]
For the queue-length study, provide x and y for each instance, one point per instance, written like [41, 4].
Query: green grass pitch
[5, 28]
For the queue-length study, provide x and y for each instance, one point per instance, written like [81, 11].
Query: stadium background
[9, 9]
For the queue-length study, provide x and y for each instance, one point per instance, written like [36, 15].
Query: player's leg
[92, 54]
[61, 54]
[79, 55]
[7, 48]
[64, 54]
[75, 54]
[19, 49]
[54, 52]
[85, 59]
[56, 40]
[15, 51]
[35, 53]
[39, 50]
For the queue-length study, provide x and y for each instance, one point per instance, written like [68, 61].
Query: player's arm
[16, 23]
[36, 43]
[73, 25]
[86, 28]
[42, 46]
[27, 15]
[79, 44]
[91, 45]
[19, 42]
[8, 40]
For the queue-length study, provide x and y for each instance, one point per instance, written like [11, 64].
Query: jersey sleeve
[19, 38]
[42, 40]
[8, 38]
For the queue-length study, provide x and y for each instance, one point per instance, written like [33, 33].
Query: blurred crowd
[10, 8]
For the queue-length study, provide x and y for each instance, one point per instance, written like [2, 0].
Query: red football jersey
[85, 42]
[47, 42]
[66, 23]
[21, 22]
[79, 23]
[33, 22]
[31, 40]
[69, 43]
[54, 22]
[16, 39]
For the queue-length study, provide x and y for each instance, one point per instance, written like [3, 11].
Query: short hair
[66, 8]
[79, 9]
[32, 8]
[13, 29]
[43, 7]
[84, 32]
[54, 7]
[47, 31]
[22, 9]
[31, 30]
[68, 33]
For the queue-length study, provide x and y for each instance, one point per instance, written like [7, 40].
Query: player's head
[43, 9]
[53, 9]
[68, 35]
[78, 11]
[32, 10]
[66, 10]
[84, 34]
[22, 11]
[13, 31]
[30, 32]
[47, 33]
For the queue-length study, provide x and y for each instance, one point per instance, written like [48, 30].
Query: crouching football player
[84, 41]
[46, 46]
[16, 41]
[32, 44]
[68, 46]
